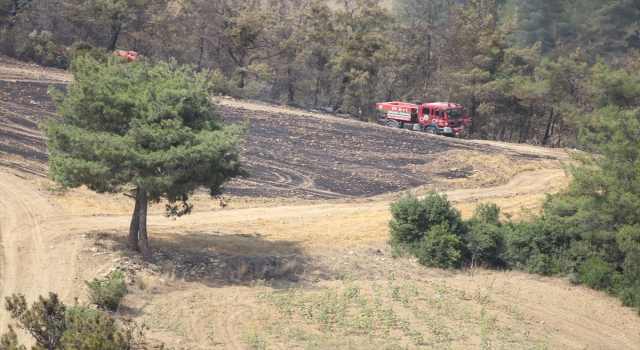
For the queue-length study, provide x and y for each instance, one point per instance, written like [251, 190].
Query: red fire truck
[434, 118]
[128, 55]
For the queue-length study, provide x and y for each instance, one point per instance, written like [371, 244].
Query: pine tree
[149, 131]
[609, 27]
[544, 21]
[113, 17]
[363, 49]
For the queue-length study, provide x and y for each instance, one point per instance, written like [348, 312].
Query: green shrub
[107, 292]
[485, 243]
[413, 217]
[429, 228]
[486, 213]
[9, 341]
[91, 329]
[219, 82]
[38, 46]
[630, 296]
[54, 326]
[81, 48]
[544, 265]
[439, 247]
[598, 274]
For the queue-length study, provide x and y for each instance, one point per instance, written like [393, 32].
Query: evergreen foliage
[44, 320]
[147, 130]
[91, 330]
[107, 292]
[430, 228]
[591, 229]
[55, 326]
[9, 341]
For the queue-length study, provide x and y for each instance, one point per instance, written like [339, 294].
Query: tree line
[528, 69]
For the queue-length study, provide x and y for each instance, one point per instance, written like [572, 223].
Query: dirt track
[288, 200]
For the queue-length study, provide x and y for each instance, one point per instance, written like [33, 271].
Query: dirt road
[38, 253]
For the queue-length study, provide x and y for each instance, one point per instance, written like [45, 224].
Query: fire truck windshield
[454, 113]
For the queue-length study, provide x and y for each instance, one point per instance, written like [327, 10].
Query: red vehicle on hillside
[434, 117]
[128, 55]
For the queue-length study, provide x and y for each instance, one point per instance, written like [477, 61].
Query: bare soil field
[305, 235]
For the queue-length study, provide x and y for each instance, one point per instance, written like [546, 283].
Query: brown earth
[318, 196]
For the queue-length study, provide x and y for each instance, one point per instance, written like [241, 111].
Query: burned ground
[22, 145]
[288, 155]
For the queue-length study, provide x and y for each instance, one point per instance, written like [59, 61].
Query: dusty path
[38, 254]
[13, 70]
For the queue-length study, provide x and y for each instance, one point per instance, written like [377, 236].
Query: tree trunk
[343, 88]
[290, 91]
[390, 89]
[200, 54]
[317, 92]
[474, 117]
[133, 228]
[142, 228]
[546, 133]
[115, 33]
[427, 67]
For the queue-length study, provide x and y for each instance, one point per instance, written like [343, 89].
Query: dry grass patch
[15, 158]
[150, 283]
[145, 282]
[495, 169]
[290, 266]
[231, 244]
[262, 267]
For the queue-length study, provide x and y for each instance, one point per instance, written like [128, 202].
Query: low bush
[598, 274]
[107, 292]
[55, 326]
[91, 329]
[44, 320]
[81, 48]
[439, 247]
[38, 46]
[430, 228]
[544, 265]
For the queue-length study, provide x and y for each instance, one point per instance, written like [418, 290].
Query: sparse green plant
[254, 338]
[107, 292]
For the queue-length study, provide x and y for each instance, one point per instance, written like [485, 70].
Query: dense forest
[532, 70]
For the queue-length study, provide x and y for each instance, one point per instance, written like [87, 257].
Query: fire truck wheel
[431, 130]
[392, 123]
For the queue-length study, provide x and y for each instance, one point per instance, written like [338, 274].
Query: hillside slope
[319, 193]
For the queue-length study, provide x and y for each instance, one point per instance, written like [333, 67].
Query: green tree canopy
[149, 131]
